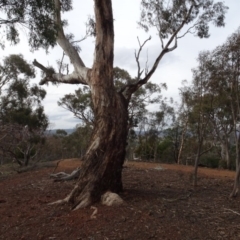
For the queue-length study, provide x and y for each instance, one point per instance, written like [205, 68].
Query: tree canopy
[21, 112]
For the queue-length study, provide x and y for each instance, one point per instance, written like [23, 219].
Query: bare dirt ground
[160, 203]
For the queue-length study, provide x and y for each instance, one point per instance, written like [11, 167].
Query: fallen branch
[232, 211]
[179, 198]
[93, 216]
[62, 176]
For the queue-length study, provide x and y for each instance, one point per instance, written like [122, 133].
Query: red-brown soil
[159, 204]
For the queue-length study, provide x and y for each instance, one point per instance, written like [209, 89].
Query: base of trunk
[108, 199]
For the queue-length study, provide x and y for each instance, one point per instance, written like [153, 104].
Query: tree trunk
[237, 176]
[225, 153]
[102, 164]
[182, 142]
[155, 152]
[236, 183]
[200, 142]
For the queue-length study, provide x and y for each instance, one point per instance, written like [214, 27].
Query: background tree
[151, 133]
[201, 102]
[221, 110]
[213, 102]
[182, 123]
[20, 107]
[230, 55]
[80, 104]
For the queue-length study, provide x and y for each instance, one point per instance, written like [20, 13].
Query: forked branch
[137, 56]
[129, 89]
[51, 76]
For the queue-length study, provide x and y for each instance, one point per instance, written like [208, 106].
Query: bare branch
[166, 49]
[137, 55]
[188, 31]
[51, 76]
[62, 176]
[146, 66]
[67, 47]
[128, 90]
[61, 63]
[174, 47]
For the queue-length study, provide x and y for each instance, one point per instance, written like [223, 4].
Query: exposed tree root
[62, 176]
[65, 200]
[82, 202]
[108, 199]
[59, 202]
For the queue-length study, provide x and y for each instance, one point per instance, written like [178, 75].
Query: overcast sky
[175, 66]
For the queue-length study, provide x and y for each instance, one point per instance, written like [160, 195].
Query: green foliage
[61, 133]
[22, 105]
[121, 78]
[80, 103]
[210, 161]
[161, 151]
[21, 112]
[36, 16]
[169, 16]
[21, 102]
[210, 107]
[165, 151]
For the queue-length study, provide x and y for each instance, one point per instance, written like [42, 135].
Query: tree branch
[67, 47]
[129, 89]
[137, 55]
[51, 76]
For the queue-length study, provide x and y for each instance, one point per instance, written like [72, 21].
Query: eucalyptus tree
[80, 104]
[160, 121]
[219, 87]
[182, 121]
[218, 108]
[102, 165]
[199, 102]
[224, 76]
[231, 72]
[21, 112]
